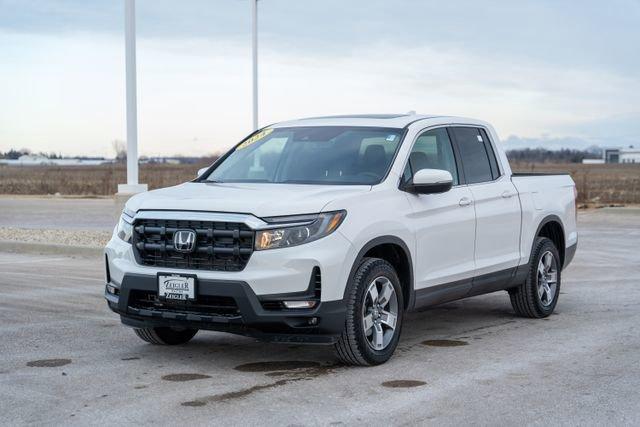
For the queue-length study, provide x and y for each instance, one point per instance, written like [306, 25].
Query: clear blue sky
[545, 72]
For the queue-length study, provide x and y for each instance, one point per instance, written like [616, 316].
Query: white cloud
[519, 98]
[66, 92]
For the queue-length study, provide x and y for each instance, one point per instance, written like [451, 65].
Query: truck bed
[543, 195]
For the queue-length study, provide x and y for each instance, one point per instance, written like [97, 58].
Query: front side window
[432, 150]
[311, 155]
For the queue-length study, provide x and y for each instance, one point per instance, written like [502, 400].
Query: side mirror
[201, 171]
[430, 181]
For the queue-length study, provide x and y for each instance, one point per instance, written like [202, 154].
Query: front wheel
[375, 306]
[538, 295]
[165, 336]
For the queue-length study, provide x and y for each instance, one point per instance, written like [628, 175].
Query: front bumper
[276, 271]
[321, 324]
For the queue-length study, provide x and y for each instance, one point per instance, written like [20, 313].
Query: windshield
[311, 155]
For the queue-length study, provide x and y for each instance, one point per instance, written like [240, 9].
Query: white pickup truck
[327, 230]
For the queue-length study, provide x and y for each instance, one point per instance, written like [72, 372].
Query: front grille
[205, 304]
[219, 246]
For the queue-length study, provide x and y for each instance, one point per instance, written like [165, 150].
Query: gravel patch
[88, 238]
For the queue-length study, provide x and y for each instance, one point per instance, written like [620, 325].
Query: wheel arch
[552, 228]
[395, 251]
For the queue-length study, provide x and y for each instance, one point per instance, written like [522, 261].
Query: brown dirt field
[597, 184]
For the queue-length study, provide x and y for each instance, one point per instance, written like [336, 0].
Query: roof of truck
[374, 120]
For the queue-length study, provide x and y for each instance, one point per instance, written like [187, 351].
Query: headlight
[298, 230]
[124, 229]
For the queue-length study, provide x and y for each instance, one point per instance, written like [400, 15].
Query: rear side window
[478, 160]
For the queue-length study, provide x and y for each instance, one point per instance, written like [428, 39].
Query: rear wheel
[165, 336]
[375, 307]
[538, 296]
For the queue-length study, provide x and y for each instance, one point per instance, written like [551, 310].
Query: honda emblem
[184, 241]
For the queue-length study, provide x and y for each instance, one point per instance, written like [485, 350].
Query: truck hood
[261, 200]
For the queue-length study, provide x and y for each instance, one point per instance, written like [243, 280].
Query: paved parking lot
[57, 213]
[67, 360]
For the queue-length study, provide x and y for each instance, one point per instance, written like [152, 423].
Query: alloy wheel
[379, 313]
[547, 278]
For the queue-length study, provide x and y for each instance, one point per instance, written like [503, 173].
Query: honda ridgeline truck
[328, 230]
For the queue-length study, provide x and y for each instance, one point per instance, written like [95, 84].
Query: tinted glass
[432, 150]
[473, 154]
[495, 170]
[312, 155]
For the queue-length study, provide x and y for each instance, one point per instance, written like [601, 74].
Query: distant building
[170, 160]
[617, 155]
[630, 155]
[593, 161]
[611, 155]
[38, 160]
[162, 160]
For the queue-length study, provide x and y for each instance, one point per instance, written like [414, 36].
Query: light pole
[132, 186]
[254, 59]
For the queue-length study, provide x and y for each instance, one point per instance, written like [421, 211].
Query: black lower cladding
[569, 253]
[228, 306]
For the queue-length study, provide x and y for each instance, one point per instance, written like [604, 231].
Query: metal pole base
[132, 189]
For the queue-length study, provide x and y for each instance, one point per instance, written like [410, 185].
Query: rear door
[497, 206]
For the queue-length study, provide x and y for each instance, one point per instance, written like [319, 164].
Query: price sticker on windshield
[255, 138]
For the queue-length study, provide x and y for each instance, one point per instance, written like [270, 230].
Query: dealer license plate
[176, 287]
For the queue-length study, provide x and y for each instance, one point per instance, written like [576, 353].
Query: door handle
[506, 194]
[465, 201]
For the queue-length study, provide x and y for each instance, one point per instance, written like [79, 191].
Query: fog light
[299, 304]
[112, 290]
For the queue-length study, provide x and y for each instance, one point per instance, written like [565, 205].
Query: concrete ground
[67, 360]
[57, 213]
[29, 222]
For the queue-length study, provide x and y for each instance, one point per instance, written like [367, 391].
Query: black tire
[525, 299]
[165, 336]
[352, 348]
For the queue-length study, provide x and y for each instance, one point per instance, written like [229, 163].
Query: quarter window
[495, 170]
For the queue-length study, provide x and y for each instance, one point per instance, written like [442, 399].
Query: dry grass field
[597, 184]
[100, 180]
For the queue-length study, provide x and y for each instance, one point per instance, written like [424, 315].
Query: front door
[444, 224]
